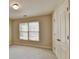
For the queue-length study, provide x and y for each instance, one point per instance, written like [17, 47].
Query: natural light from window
[29, 31]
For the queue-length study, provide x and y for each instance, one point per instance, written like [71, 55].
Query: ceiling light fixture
[15, 6]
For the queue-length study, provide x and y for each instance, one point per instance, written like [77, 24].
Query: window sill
[30, 40]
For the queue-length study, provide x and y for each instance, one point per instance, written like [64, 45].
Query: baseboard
[22, 44]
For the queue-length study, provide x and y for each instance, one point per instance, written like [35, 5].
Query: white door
[59, 34]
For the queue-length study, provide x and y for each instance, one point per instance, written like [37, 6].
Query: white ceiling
[33, 7]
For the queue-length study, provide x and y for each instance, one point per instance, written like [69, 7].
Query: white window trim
[29, 31]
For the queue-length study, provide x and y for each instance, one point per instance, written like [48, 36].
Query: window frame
[30, 31]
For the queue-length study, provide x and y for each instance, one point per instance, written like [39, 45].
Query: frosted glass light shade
[15, 6]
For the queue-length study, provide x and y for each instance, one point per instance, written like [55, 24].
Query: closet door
[59, 35]
[61, 32]
[59, 41]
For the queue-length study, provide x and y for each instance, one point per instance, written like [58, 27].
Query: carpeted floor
[23, 52]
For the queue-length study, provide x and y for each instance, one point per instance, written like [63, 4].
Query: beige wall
[45, 32]
[10, 32]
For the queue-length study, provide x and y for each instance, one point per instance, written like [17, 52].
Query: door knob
[58, 40]
[68, 37]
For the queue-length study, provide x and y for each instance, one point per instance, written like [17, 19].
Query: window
[29, 31]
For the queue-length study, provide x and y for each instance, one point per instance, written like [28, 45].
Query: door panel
[59, 34]
[62, 27]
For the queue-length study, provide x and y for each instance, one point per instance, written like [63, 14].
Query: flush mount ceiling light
[15, 6]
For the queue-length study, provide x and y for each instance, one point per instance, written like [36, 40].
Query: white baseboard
[46, 47]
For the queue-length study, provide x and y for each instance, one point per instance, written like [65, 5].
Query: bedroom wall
[45, 32]
[10, 32]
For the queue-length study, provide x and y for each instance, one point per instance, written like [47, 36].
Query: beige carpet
[23, 52]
